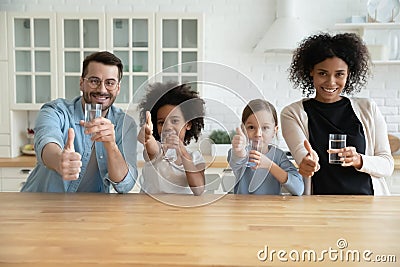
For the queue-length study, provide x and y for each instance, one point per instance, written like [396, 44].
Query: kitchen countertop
[21, 161]
[217, 162]
[396, 162]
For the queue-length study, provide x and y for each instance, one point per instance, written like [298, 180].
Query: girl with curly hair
[332, 67]
[176, 113]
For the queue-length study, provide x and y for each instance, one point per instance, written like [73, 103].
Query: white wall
[232, 29]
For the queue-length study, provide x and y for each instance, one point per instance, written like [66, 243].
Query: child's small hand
[146, 132]
[182, 152]
[172, 141]
[239, 143]
[148, 127]
[260, 160]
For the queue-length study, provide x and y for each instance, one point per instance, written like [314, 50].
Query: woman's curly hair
[347, 46]
[171, 93]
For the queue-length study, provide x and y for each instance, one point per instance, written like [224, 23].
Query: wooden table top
[44, 229]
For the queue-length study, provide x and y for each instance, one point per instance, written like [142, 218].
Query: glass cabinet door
[132, 42]
[179, 48]
[33, 59]
[78, 37]
[47, 50]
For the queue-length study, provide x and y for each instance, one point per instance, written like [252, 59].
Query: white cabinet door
[179, 45]
[3, 41]
[131, 38]
[77, 37]
[5, 137]
[4, 100]
[46, 51]
[32, 48]
[13, 178]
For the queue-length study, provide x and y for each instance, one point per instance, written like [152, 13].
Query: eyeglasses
[109, 84]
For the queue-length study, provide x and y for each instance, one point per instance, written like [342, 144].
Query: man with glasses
[78, 156]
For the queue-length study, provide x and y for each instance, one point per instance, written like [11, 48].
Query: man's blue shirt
[52, 124]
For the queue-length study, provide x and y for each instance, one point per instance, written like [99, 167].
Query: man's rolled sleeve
[47, 130]
[127, 183]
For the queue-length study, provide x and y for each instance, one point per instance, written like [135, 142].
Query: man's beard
[88, 97]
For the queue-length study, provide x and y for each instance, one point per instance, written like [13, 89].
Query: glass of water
[169, 155]
[336, 141]
[253, 145]
[92, 111]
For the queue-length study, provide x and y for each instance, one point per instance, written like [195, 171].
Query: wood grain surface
[44, 229]
[394, 142]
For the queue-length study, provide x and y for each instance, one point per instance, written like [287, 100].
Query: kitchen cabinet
[13, 178]
[179, 47]
[43, 55]
[4, 103]
[3, 41]
[385, 35]
[47, 51]
[4, 100]
[32, 49]
[77, 36]
[131, 38]
[5, 136]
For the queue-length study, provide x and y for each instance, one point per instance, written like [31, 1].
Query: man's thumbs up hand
[69, 145]
[70, 164]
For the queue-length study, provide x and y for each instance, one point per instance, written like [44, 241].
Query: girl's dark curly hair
[347, 46]
[171, 93]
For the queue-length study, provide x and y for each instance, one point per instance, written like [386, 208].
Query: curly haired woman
[330, 67]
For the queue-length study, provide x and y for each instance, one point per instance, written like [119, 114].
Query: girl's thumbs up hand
[239, 142]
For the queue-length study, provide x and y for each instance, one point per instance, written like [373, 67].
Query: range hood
[286, 31]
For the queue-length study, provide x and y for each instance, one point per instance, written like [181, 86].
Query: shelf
[371, 25]
[361, 28]
[386, 62]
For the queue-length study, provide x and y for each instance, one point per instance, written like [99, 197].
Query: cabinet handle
[25, 171]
